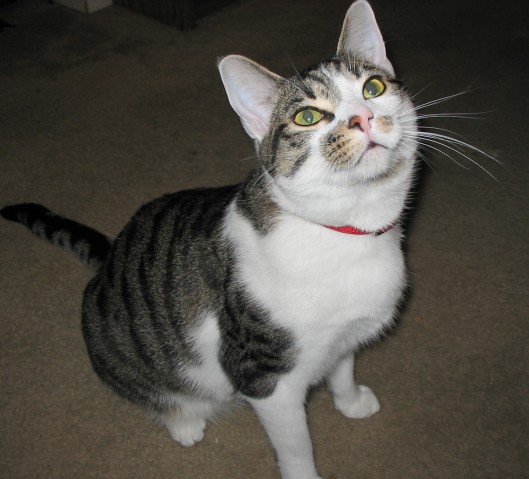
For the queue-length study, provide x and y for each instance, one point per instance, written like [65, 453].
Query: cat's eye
[308, 117]
[373, 87]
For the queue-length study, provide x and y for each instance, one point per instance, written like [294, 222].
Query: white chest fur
[330, 289]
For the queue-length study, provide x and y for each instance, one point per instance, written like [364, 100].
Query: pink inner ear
[251, 90]
[361, 36]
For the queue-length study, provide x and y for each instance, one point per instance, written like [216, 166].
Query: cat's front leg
[284, 419]
[351, 399]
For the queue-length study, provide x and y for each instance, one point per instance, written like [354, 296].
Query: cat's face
[341, 122]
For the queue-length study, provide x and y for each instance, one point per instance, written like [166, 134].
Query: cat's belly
[331, 290]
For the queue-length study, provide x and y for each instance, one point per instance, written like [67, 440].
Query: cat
[261, 290]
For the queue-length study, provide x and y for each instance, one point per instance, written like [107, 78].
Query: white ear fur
[252, 92]
[361, 36]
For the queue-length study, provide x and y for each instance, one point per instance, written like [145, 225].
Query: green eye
[373, 87]
[307, 117]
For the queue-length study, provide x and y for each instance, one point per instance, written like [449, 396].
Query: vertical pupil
[308, 117]
[371, 88]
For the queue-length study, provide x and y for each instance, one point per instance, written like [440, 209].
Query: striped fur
[216, 294]
[90, 246]
[166, 270]
[169, 269]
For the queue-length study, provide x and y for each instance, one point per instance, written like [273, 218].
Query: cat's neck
[365, 207]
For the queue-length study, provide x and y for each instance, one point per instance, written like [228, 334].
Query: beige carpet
[101, 113]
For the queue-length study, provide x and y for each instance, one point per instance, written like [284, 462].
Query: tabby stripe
[306, 89]
[250, 353]
[299, 162]
[275, 141]
[168, 280]
[158, 316]
[323, 81]
[63, 232]
[129, 297]
[214, 218]
[106, 337]
[114, 377]
[175, 322]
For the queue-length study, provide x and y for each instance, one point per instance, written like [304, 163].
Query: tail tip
[12, 212]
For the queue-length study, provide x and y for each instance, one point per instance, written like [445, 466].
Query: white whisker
[422, 127]
[440, 100]
[420, 91]
[466, 116]
[431, 147]
[441, 140]
[427, 142]
[297, 74]
[253, 157]
[455, 141]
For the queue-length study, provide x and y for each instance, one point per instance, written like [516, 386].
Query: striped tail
[87, 244]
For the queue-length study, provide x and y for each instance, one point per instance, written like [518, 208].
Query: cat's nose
[361, 121]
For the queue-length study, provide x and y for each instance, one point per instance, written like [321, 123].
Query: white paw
[299, 475]
[364, 404]
[187, 431]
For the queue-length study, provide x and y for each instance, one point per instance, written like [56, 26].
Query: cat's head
[338, 133]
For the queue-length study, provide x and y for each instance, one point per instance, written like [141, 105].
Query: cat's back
[177, 228]
[193, 213]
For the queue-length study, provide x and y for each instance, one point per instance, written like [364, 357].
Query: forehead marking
[321, 82]
[351, 98]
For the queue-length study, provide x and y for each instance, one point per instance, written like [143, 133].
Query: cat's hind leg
[351, 399]
[186, 423]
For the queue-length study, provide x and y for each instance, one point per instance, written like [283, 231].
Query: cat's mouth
[372, 145]
[378, 153]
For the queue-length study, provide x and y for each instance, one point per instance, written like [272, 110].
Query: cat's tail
[89, 245]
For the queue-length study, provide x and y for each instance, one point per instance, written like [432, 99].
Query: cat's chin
[375, 163]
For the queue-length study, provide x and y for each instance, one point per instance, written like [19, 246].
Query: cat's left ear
[252, 92]
[361, 36]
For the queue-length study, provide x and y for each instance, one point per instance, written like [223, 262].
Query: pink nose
[361, 120]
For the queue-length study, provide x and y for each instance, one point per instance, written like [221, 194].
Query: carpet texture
[101, 113]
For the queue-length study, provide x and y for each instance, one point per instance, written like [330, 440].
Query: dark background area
[101, 113]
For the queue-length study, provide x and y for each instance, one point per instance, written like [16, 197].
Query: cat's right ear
[361, 36]
[252, 92]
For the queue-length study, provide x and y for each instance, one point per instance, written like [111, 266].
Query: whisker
[422, 127]
[459, 152]
[431, 147]
[265, 171]
[298, 75]
[420, 91]
[455, 141]
[465, 116]
[424, 158]
[440, 100]
[415, 108]
[436, 141]
[249, 158]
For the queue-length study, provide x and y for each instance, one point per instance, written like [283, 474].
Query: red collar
[351, 230]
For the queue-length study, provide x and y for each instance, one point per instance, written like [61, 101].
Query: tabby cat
[259, 291]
